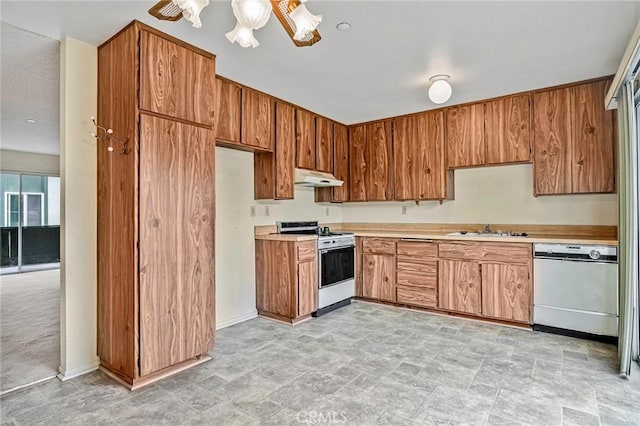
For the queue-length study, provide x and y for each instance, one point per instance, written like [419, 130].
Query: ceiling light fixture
[283, 9]
[300, 24]
[251, 15]
[305, 21]
[440, 90]
[174, 10]
[343, 26]
[32, 120]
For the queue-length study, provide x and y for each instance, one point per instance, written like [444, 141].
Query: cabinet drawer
[307, 250]
[494, 252]
[418, 274]
[379, 245]
[417, 251]
[417, 296]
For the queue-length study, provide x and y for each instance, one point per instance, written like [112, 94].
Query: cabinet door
[379, 277]
[285, 151]
[305, 140]
[432, 173]
[257, 120]
[459, 286]
[324, 145]
[357, 163]
[176, 81]
[228, 100]
[307, 287]
[552, 141]
[177, 214]
[406, 154]
[379, 159]
[593, 140]
[465, 136]
[418, 144]
[507, 123]
[506, 292]
[341, 163]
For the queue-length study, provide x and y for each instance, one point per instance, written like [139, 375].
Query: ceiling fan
[298, 22]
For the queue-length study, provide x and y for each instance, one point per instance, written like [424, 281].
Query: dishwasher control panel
[584, 253]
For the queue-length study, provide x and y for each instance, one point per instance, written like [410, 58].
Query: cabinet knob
[580, 162]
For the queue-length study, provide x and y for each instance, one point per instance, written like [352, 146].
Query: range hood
[317, 179]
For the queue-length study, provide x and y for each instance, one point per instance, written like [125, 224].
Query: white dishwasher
[576, 288]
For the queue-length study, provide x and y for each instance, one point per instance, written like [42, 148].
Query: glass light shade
[243, 36]
[191, 10]
[440, 91]
[305, 21]
[252, 14]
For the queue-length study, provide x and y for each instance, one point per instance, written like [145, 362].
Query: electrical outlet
[252, 211]
[326, 211]
[404, 210]
[267, 211]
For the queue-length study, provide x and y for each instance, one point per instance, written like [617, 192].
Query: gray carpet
[363, 364]
[29, 327]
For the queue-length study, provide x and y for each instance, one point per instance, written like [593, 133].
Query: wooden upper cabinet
[324, 145]
[459, 286]
[418, 144]
[593, 140]
[574, 140]
[257, 120]
[176, 81]
[305, 140]
[465, 136]
[357, 163]
[285, 151]
[228, 99]
[552, 141]
[507, 124]
[273, 172]
[379, 160]
[506, 292]
[341, 163]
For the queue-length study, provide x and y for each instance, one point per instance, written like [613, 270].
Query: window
[33, 203]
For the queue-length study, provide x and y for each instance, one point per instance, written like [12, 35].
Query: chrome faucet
[487, 229]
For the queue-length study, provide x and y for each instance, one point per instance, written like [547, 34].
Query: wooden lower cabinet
[307, 287]
[379, 277]
[286, 279]
[460, 286]
[506, 292]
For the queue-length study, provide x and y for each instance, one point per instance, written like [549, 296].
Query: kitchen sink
[486, 234]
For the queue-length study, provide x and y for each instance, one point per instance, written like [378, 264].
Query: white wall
[501, 194]
[78, 209]
[235, 267]
[29, 162]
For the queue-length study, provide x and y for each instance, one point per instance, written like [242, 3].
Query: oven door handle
[323, 251]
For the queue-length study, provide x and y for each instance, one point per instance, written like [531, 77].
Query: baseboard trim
[64, 375]
[238, 319]
[44, 379]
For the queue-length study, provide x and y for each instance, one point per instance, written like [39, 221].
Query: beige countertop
[558, 234]
[559, 239]
[284, 237]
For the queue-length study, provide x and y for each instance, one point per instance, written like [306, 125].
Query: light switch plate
[267, 211]
[252, 211]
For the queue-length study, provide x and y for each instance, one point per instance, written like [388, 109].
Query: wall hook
[106, 135]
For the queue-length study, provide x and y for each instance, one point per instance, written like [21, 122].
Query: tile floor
[29, 327]
[364, 364]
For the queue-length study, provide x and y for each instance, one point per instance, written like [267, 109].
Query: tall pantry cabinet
[156, 206]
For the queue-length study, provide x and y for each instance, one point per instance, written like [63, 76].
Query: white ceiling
[379, 68]
[30, 90]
